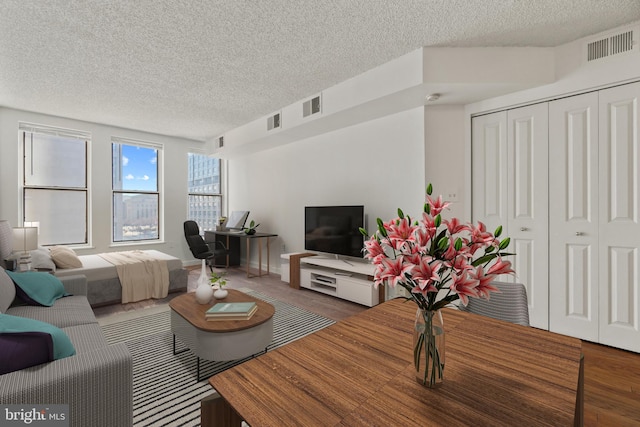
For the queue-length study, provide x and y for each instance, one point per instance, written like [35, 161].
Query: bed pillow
[26, 342]
[65, 257]
[41, 258]
[37, 288]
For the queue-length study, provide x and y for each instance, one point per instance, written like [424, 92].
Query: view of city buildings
[205, 200]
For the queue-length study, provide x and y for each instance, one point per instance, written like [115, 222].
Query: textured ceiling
[196, 69]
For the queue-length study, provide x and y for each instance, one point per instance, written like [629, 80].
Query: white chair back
[510, 304]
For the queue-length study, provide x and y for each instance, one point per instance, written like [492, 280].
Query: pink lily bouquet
[431, 255]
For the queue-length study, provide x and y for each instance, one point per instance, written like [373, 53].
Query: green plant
[217, 279]
[251, 229]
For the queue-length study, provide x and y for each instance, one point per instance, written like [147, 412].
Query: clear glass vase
[428, 347]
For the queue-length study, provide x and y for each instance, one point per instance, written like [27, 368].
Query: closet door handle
[524, 229]
[579, 233]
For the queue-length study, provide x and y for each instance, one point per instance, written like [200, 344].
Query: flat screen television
[334, 229]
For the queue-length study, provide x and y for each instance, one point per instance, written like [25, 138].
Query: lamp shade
[25, 239]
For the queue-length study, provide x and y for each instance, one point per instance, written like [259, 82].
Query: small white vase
[204, 293]
[221, 293]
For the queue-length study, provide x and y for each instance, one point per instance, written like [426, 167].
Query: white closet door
[619, 217]
[489, 170]
[527, 149]
[573, 216]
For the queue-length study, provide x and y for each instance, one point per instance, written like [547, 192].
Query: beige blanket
[142, 276]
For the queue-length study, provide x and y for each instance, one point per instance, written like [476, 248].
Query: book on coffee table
[231, 311]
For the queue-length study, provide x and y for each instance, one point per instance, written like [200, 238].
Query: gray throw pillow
[41, 258]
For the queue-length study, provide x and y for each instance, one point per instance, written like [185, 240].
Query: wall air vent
[311, 106]
[612, 45]
[273, 122]
[221, 142]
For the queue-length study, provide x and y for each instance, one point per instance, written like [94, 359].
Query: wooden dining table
[359, 372]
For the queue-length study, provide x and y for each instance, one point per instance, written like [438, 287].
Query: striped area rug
[165, 390]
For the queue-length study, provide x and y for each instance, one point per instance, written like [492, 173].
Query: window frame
[158, 193]
[25, 128]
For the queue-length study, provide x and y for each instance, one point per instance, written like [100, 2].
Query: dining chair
[510, 304]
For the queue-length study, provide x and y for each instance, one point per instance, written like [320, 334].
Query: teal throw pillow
[37, 288]
[21, 327]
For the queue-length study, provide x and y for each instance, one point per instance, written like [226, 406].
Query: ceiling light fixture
[432, 97]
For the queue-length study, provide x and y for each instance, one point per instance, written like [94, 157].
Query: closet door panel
[619, 222]
[527, 210]
[573, 216]
[489, 170]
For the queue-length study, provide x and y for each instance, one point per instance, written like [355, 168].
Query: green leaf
[498, 231]
[400, 213]
[483, 259]
[363, 232]
[427, 208]
[505, 243]
[437, 220]
[429, 189]
[490, 249]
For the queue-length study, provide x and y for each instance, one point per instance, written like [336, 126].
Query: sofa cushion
[37, 288]
[7, 291]
[27, 342]
[65, 257]
[67, 311]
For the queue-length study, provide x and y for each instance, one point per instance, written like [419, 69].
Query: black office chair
[201, 249]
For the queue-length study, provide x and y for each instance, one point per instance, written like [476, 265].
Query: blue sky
[139, 168]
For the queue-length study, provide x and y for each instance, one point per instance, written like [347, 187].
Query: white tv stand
[352, 280]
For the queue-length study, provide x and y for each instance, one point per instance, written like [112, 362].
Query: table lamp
[25, 239]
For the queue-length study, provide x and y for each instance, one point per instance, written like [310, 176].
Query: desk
[210, 236]
[359, 372]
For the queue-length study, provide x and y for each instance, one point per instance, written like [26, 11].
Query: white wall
[379, 164]
[175, 179]
[445, 156]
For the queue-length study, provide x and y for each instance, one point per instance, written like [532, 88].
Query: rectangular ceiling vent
[612, 45]
[221, 142]
[311, 106]
[273, 122]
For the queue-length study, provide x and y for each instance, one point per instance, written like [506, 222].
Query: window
[55, 190]
[205, 196]
[136, 195]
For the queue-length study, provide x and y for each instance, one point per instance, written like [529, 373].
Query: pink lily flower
[394, 271]
[484, 283]
[437, 205]
[500, 267]
[373, 249]
[465, 287]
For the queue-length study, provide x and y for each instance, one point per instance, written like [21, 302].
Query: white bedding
[94, 267]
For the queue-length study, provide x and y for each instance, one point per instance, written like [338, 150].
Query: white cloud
[154, 160]
[129, 177]
[125, 161]
[145, 178]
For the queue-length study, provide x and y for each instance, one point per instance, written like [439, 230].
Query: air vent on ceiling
[311, 106]
[221, 142]
[273, 121]
[611, 45]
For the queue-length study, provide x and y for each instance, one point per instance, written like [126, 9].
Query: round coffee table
[220, 340]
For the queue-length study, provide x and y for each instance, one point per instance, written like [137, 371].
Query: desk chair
[510, 304]
[207, 252]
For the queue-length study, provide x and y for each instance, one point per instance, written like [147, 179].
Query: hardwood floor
[611, 376]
